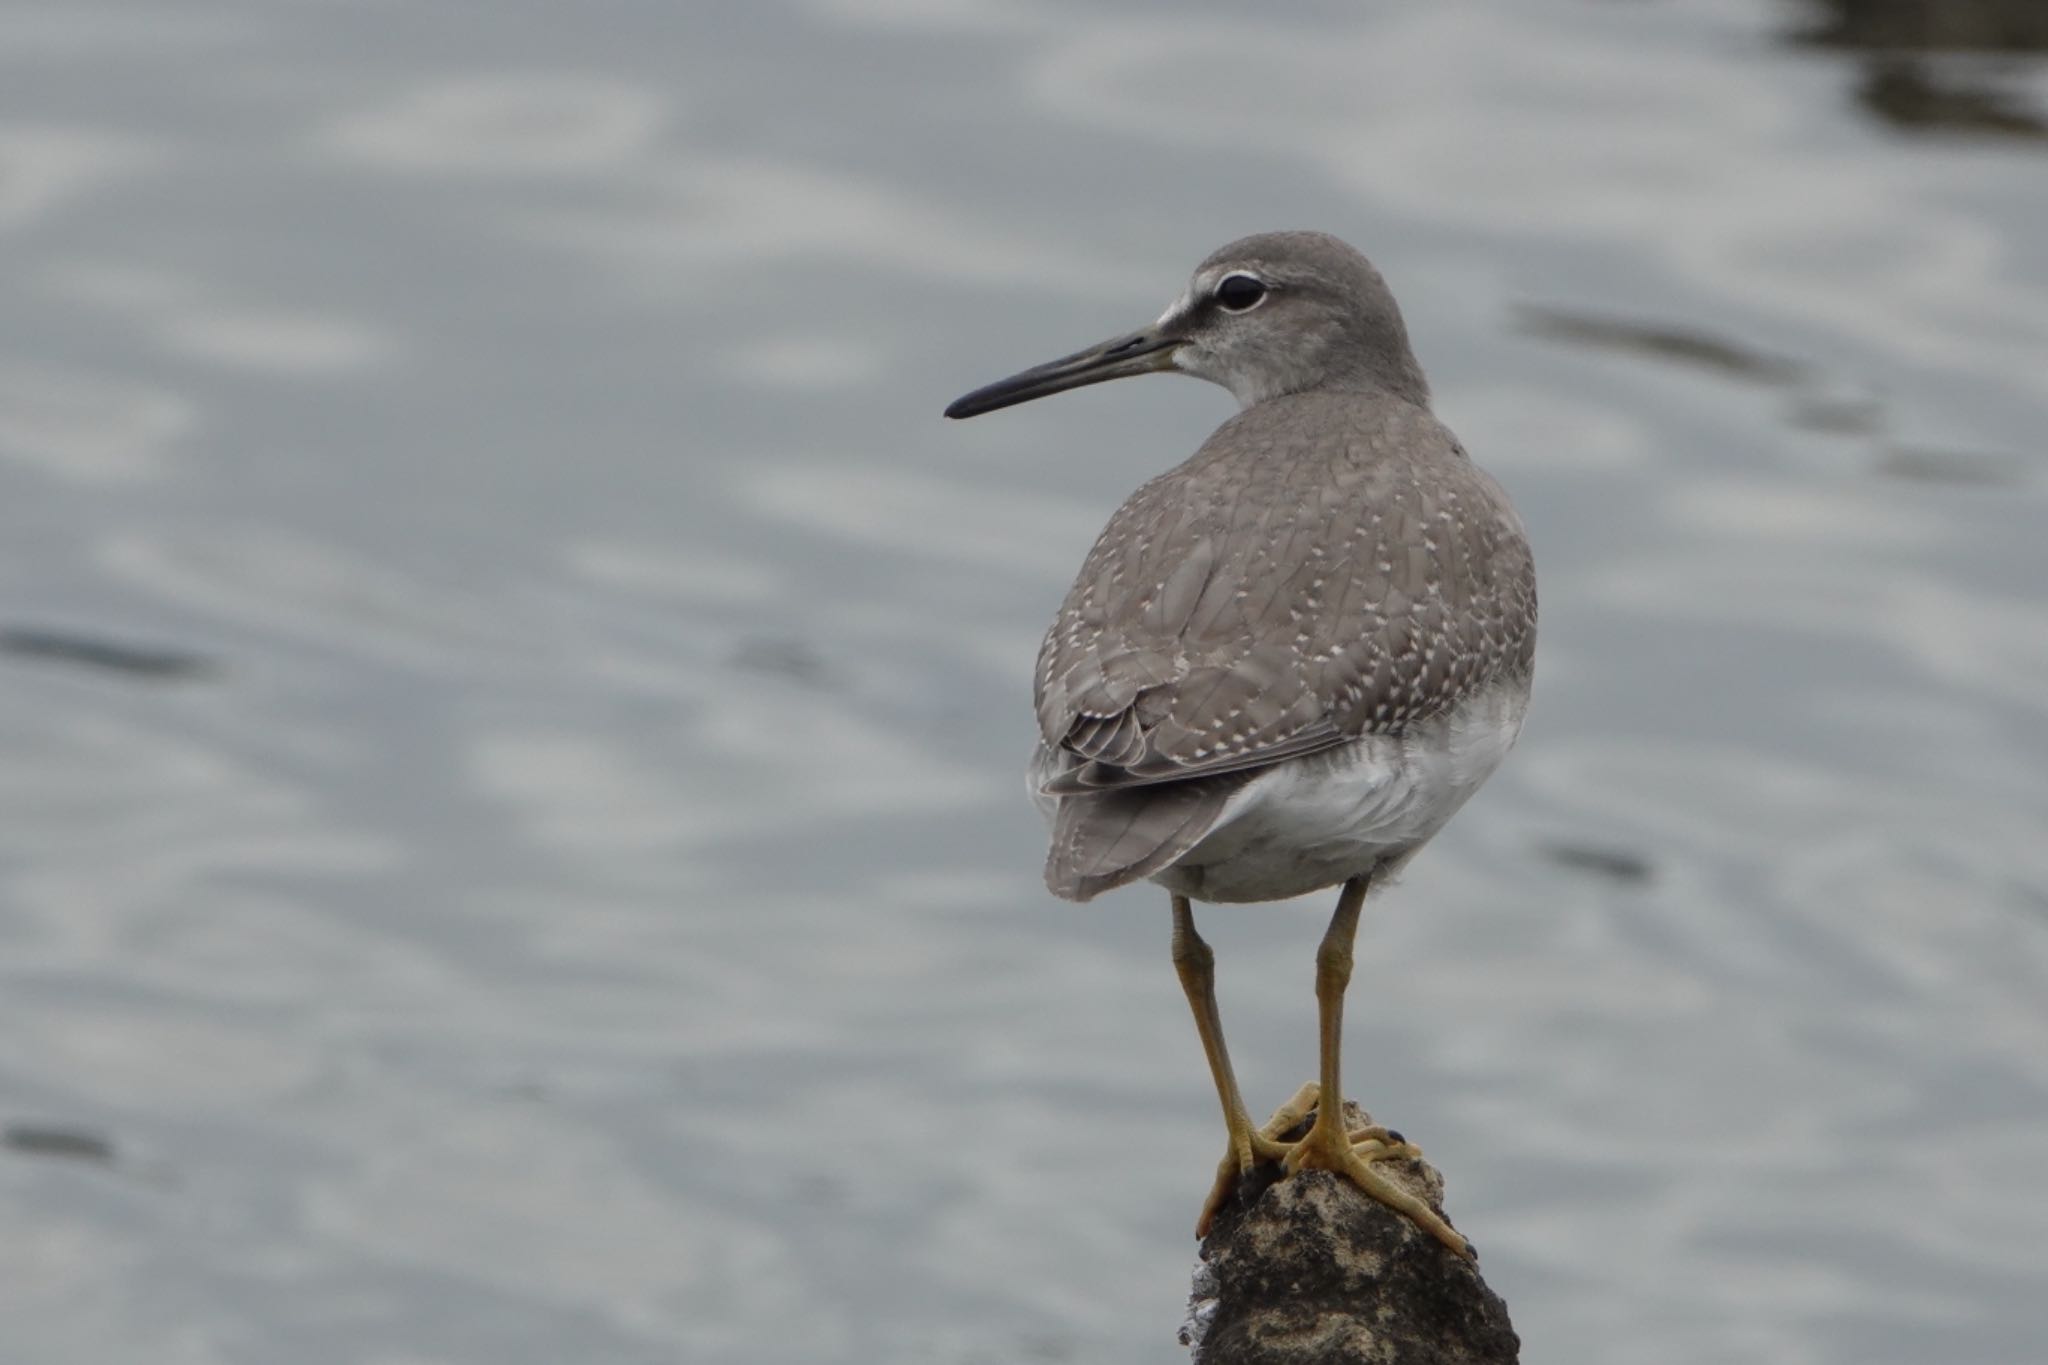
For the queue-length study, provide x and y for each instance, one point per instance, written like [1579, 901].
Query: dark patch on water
[783, 657]
[1927, 25]
[1939, 65]
[1610, 864]
[55, 645]
[50, 1140]
[2033, 898]
[1915, 95]
[1669, 342]
[1973, 469]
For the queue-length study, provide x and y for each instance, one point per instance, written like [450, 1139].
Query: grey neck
[1397, 377]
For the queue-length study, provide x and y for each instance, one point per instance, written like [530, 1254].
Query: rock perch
[1313, 1272]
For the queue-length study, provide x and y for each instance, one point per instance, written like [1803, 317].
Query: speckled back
[1327, 565]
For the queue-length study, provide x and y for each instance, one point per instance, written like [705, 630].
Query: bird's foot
[1329, 1148]
[1248, 1147]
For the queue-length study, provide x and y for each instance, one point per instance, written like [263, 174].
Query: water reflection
[90, 428]
[534, 123]
[1912, 78]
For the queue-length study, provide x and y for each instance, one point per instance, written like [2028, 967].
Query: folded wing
[1241, 611]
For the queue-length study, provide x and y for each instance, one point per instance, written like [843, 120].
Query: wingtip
[1067, 884]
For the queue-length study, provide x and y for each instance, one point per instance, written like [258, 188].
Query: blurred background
[512, 840]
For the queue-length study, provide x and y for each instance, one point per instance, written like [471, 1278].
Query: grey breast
[1328, 565]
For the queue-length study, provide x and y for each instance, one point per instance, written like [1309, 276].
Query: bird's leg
[1266, 1145]
[1196, 965]
[1328, 1146]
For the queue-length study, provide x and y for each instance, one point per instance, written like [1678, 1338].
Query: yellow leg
[1196, 965]
[1328, 1146]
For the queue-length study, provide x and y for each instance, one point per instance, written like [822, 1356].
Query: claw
[1328, 1148]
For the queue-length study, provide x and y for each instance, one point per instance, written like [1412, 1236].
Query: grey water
[512, 701]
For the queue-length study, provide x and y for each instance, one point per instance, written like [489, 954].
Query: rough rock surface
[1309, 1271]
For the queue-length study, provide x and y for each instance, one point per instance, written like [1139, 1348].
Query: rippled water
[511, 845]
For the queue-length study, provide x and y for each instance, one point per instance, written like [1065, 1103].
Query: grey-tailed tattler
[1287, 661]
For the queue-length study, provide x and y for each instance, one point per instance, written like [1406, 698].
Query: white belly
[1313, 822]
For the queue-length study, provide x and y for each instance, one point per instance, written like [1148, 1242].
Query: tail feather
[1103, 840]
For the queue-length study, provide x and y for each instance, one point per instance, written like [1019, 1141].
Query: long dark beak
[1141, 352]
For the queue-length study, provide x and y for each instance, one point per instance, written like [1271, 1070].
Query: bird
[1287, 661]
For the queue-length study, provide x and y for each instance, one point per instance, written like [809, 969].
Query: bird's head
[1273, 314]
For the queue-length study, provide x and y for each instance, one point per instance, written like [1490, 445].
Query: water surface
[511, 843]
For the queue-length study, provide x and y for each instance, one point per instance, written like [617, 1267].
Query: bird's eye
[1239, 292]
